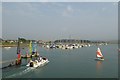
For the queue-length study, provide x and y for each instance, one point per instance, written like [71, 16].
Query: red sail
[99, 54]
[19, 56]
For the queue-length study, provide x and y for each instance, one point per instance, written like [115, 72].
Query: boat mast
[18, 60]
[34, 46]
[30, 47]
[18, 47]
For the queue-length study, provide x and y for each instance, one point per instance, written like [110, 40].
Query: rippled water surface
[76, 63]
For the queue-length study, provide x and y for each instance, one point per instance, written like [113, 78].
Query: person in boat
[36, 54]
[18, 61]
[27, 55]
[40, 58]
[36, 61]
[31, 56]
[33, 53]
[31, 63]
[44, 58]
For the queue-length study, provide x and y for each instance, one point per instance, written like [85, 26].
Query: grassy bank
[13, 45]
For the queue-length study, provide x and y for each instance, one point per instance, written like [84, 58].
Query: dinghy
[99, 55]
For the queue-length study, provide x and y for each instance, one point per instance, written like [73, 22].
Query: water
[77, 63]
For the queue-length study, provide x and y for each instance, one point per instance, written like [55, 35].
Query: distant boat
[99, 55]
[33, 50]
[118, 50]
[27, 55]
[7, 48]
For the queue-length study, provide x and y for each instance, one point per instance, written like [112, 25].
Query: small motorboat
[37, 63]
[7, 48]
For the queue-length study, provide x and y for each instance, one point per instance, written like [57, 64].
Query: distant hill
[1, 39]
[114, 41]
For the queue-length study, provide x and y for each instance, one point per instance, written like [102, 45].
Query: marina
[59, 40]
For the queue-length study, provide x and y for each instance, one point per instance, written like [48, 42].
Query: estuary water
[76, 63]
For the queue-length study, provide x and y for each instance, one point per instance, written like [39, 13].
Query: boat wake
[20, 73]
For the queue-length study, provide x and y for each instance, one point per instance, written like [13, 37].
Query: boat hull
[99, 59]
[38, 64]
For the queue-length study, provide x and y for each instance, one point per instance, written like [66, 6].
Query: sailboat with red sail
[18, 60]
[99, 55]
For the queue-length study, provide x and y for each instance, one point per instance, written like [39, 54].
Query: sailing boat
[18, 60]
[40, 61]
[34, 50]
[99, 55]
[30, 51]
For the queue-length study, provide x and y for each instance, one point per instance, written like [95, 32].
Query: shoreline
[13, 45]
[26, 45]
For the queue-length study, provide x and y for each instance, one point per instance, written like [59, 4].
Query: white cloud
[103, 9]
[28, 7]
[58, 4]
[68, 11]
[59, 0]
[24, 9]
[0, 20]
[115, 3]
[0, 8]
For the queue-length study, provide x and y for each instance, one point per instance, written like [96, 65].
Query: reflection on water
[99, 65]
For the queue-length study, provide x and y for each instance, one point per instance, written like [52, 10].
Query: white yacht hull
[38, 64]
[99, 59]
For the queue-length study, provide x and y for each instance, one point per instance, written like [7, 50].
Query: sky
[60, 20]
[0, 20]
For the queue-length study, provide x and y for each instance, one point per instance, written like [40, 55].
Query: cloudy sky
[60, 20]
